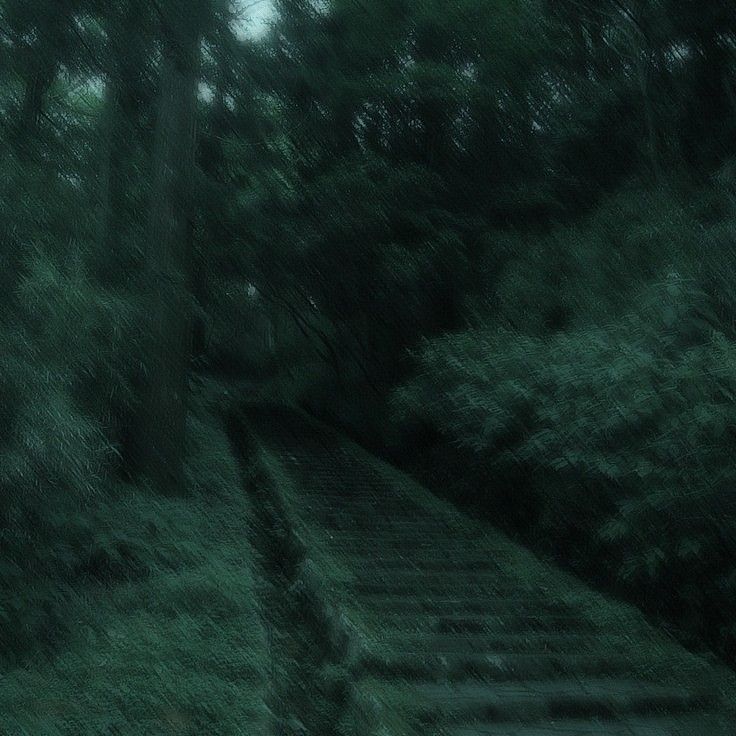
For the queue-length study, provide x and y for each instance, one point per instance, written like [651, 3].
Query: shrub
[626, 429]
[64, 378]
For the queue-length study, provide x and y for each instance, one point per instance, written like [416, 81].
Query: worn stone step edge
[700, 724]
[604, 698]
[500, 643]
[512, 622]
[495, 668]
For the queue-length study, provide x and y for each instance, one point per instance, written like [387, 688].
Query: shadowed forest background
[493, 241]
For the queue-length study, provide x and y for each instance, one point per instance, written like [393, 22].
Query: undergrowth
[157, 631]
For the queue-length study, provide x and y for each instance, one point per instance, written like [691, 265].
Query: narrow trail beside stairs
[464, 633]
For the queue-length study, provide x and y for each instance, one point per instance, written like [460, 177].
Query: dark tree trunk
[41, 75]
[122, 111]
[168, 268]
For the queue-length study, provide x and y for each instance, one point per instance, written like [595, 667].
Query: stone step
[380, 513]
[371, 525]
[368, 544]
[384, 509]
[499, 643]
[529, 701]
[495, 667]
[510, 622]
[332, 489]
[462, 606]
[321, 495]
[373, 574]
[418, 523]
[396, 512]
[493, 585]
[340, 483]
[437, 538]
[700, 724]
[394, 508]
[337, 486]
[468, 622]
[361, 548]
[425, 562]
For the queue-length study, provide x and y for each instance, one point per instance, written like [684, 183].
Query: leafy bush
[162, 607]
[627, 430]
[590, 271]
[64, 382]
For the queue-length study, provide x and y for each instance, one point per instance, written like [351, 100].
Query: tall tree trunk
[122, 110]
[643, 70]
[167, 277]
[39, 80]
[41, 46]
[212, 162]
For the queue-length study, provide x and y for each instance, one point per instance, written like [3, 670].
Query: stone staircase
[465, 633]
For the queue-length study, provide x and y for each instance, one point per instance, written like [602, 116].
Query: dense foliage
[498, 233]
[597, 422]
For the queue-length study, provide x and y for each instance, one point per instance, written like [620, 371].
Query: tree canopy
[499, 233]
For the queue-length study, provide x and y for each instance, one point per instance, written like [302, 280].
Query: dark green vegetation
[137, 613]
[492, 240]
[455, 630]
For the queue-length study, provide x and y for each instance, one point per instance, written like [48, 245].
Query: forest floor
[458, 631]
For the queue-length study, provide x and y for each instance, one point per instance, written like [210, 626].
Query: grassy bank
[160, 632]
